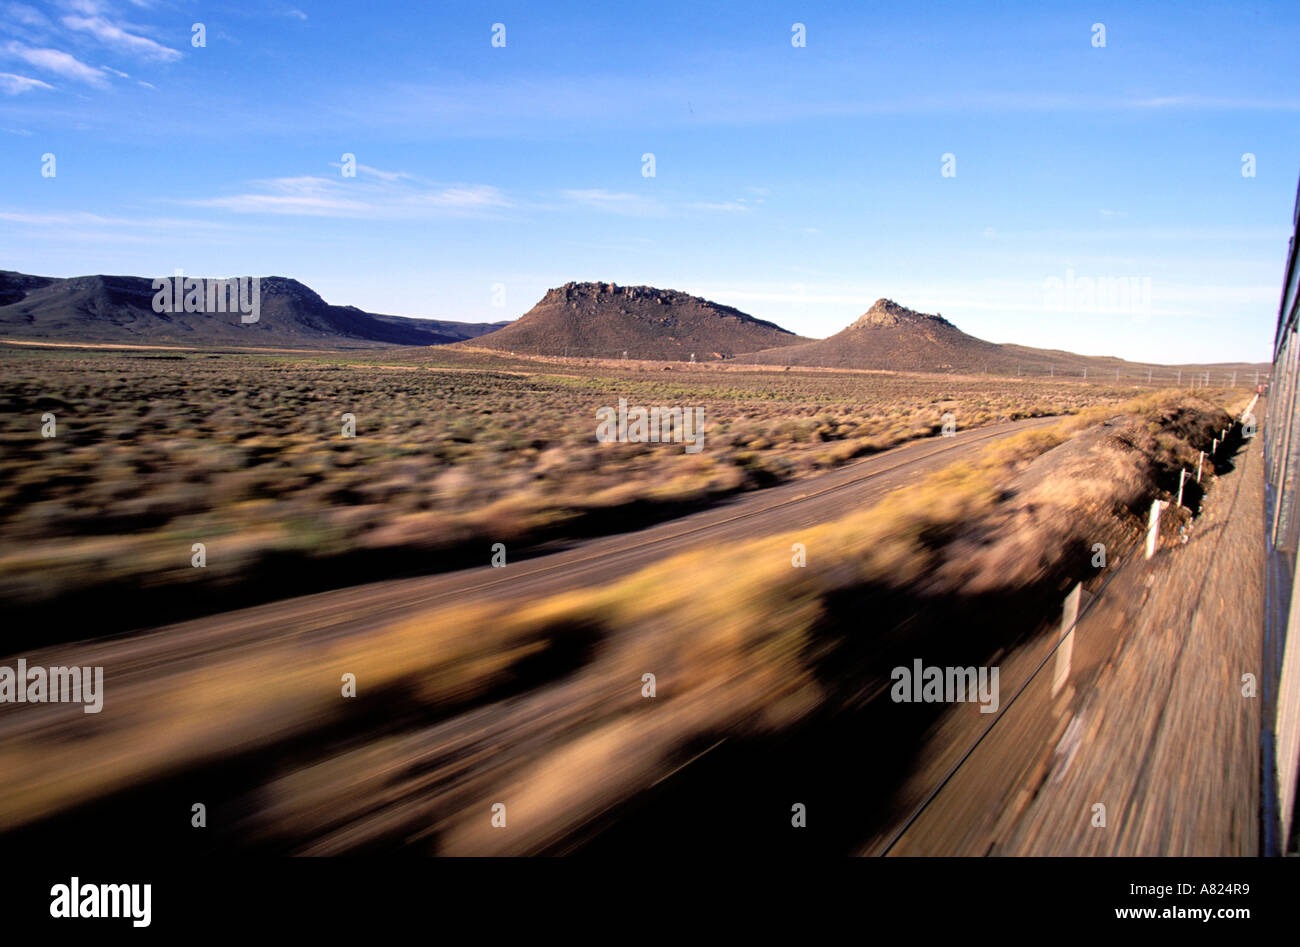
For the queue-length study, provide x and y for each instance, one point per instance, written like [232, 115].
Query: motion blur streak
[508, 723]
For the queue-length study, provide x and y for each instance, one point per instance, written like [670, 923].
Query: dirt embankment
[1142, 736]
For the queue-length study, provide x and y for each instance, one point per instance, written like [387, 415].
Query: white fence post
[1198, 466]
[1061, 673]
[1153, 528]
[1182, 475]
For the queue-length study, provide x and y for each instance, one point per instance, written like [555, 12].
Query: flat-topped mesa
[607, 320]
[886, 312]
[607, 291]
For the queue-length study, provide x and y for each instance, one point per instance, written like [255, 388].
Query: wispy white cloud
[27, 16]
[308, 195]
[82, 226]
[58, 62]
[379, 173]
[1069, 101]
[62, 228]
[83, 219]
[386, 195]
[1213, 102]
[1227, 234]
[467, 196]
[639, 205]
[12, 84]
[117, 36]
[616, 202]
[729, 207]
[493, 107]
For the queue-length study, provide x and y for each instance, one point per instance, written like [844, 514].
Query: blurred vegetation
[244, 453]
[741, 644]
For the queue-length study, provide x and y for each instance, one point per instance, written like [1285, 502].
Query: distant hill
[119, 309]
[892, 337]
[889, 336]
[606, 320]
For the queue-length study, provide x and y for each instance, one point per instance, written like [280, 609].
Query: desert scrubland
[244, 453]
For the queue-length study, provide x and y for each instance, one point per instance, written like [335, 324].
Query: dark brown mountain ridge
[119, 309]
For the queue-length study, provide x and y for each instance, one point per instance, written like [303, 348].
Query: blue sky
[796, 183]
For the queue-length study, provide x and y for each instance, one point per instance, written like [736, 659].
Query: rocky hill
[606, 320]
[892, 337]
